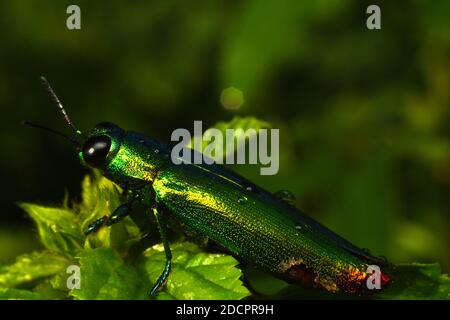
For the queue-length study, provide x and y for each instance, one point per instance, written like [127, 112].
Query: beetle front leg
[168, 266]
[121, 212]
[94, 226]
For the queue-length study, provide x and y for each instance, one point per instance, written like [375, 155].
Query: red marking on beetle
[301, 274]
[385, 279]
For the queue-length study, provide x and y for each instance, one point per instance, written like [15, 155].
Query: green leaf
[18, 294]
[195, 274]
[418, 281]
[58, 228]
[101, 197]
[30, 267]
[49, 291]
[240, 125]
[105, 276]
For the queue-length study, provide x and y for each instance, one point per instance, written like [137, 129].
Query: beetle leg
[94, 226]
[168, 266]
[119, 213]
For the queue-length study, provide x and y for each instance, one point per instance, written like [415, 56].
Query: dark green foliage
[106, 272]
[109, 272]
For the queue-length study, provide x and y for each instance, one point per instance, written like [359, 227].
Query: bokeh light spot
[232, 98]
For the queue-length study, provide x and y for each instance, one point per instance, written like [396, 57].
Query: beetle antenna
[38, 126]
[59, 104]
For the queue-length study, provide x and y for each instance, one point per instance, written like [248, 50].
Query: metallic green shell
[260, 232]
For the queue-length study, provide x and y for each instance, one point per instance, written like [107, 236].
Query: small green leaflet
[240, 125]
[105, 276]
[58, 228]
[18, 294]
[195, 274]
[418, 281]
[30, 267]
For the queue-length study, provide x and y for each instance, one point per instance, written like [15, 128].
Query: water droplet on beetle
[156, 150]
[299, 226]
[242, 200]
[249, 188]
[285, 196]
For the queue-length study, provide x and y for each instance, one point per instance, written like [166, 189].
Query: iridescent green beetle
[255, 226]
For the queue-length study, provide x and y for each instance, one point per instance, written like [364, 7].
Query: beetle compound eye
[96, 149]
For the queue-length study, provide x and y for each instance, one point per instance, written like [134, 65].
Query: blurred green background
[363, 115]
